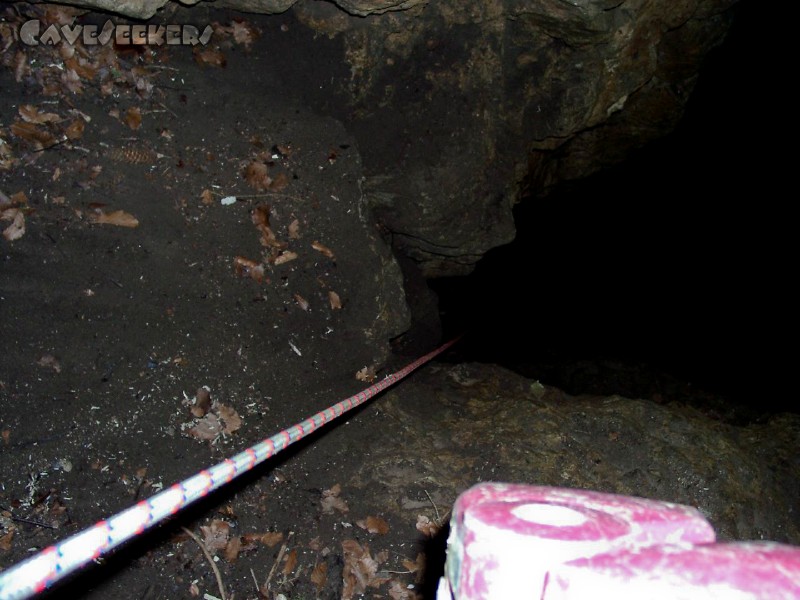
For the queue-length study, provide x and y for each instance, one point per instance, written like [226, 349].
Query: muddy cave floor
[108, 331]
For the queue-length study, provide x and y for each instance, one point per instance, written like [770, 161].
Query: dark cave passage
[670, 261]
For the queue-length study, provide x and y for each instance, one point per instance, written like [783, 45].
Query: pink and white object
[510, 542]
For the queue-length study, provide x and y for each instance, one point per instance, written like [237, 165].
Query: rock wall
[461, 109]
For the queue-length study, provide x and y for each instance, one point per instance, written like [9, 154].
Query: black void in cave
[660, 265]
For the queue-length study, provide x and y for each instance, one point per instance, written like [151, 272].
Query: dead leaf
[294, 230]
[119, 218]
[232, 549]
[31, 114]
[202, 402]
[272, 539]
[250, 268]
[215, 535]
[301, 302]
[17, 228]
[319, 576]
[49, 362]
[330, 500]
[374, 525]
[398, 591]
[333, 298]
[279, 182]
[291, 563]
[5, 540]
[206, 197]
[133, 117]
[194, 590]
[36, 137]
[207, 428]
[324, 249]
[72, 81]
[231, 419]
[209, 57]
[284, 257]
[256, 175]
[244, 33]
[74, 130]
[6, 435]
[426, 526]
[417, 566]
[360, 569]
[367, 374]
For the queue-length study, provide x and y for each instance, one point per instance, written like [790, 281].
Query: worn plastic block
[741, 571]
[504, 538]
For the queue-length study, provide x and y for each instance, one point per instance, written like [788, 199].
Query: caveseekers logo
[31, 33]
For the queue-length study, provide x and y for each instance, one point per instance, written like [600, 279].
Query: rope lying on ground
[52, 564]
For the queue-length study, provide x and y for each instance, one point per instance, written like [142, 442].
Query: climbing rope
[52, 564]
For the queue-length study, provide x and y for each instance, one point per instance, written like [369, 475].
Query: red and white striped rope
[52, 564]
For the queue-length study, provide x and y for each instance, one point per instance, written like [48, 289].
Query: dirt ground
[177, 220]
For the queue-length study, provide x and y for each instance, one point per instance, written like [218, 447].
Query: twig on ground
[210, 560]
[278, 560]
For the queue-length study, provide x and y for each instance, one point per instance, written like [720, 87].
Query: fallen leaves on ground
[17, 228]
[290, 563]
[330, 500]
[202, 402]
[31, 114]
[220, 420]
[426, 526]
[374, 525]
[246, 267]
[397, 591]
[319, 247]
[284, 257]
[319, 576]
[301, 302]
[367, 374]
[37, 137]
[215, 535]
[417, 567]
[133, 117]
[271, 538]
[209, 57]
[49, 361]
[120, 218]
[335, 301]
[361, 569]
[256, 175]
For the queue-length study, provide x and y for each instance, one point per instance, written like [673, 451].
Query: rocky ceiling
[460, 109]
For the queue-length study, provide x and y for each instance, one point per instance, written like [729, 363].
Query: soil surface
[187, 270]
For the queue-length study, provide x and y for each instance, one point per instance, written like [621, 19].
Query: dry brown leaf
[31, 114]
[49, 361]
[207, 428]
[17, 228]
[333, 298]
[367, 374]
[319, 576]
[426, 526]
[209, 57]
[74, 130]
[133, 117]
[324, 249]
[417, 566]
[6, 435]
[202, 402]
[244, 33]
[194, 590]
[291, 563]
[280, 182]
[72, 81]
[284, 257]
[294, 230]
[119, 218]
[232, 548]
[398, 591]
[374, 525]
[250, 268]
[20, 66]
[272, 538]
[6, 539]
[206, 197]
[360, 569]
[330, 500]
[36, 137]
[215, 535]
[230, 418]
[301, 302]
[256, 175]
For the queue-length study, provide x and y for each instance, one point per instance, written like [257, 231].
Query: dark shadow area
[674, 261]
